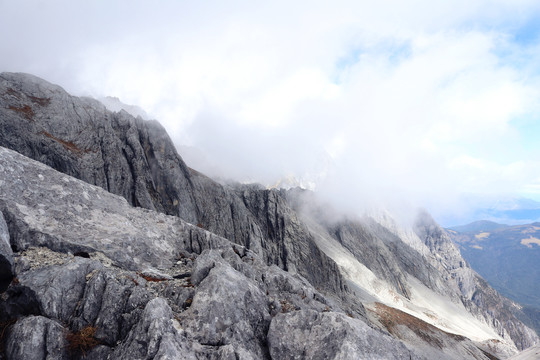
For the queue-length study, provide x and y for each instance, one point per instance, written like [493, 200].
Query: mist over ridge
[415, 104]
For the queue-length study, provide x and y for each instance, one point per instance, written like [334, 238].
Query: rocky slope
[159, 261]
[148, 284]
[135, 159]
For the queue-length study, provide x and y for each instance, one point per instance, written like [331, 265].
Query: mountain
[498, 209]
[508, 258]
[478, 226]
[113, 247]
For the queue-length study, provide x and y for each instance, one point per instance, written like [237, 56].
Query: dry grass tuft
[286, 306]
[82, 341]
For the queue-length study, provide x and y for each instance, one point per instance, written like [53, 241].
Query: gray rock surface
[6, 256]
[229, 309]
[426, 339]
[68, 215]
[86, 258]
[314, 335]
[155, 337]
[442, 269]
[37, 338]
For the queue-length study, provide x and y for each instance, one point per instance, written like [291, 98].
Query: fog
[393, 104]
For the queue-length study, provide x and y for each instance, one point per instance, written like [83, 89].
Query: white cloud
[412, 100]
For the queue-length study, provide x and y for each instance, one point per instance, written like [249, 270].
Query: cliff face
[475, 293]
[136, 159]
[111, 233]
[401, 270]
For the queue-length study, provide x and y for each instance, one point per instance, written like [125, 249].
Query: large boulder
[155, 337]
[308, 334]
[64, 214]
[229, 309]
[37, 338]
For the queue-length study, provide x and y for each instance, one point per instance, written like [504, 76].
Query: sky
[389, 103]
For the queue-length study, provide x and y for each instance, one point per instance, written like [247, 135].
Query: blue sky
[373, 103]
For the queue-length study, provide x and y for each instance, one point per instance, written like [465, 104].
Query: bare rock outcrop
[327, 335]
[37, 338]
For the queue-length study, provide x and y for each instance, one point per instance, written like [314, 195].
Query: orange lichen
[69, 145]
[25, 110]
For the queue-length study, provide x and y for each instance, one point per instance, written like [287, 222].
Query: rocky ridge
[234, 272]
[85, 258]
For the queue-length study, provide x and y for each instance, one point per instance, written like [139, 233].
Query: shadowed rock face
[236, 272]
[80, 137]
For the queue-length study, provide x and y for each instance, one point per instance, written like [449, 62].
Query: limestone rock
[37, 338]
[228, 309]
[68, 215]
[155, 337]
[328, 335]
[164, 262]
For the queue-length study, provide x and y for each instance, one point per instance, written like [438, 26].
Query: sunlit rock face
[110, 246]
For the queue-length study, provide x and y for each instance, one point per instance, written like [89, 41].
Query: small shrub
[82, 341]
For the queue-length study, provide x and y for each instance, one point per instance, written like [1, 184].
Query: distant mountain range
[478, 226]
[507, 257]
[501, 210]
